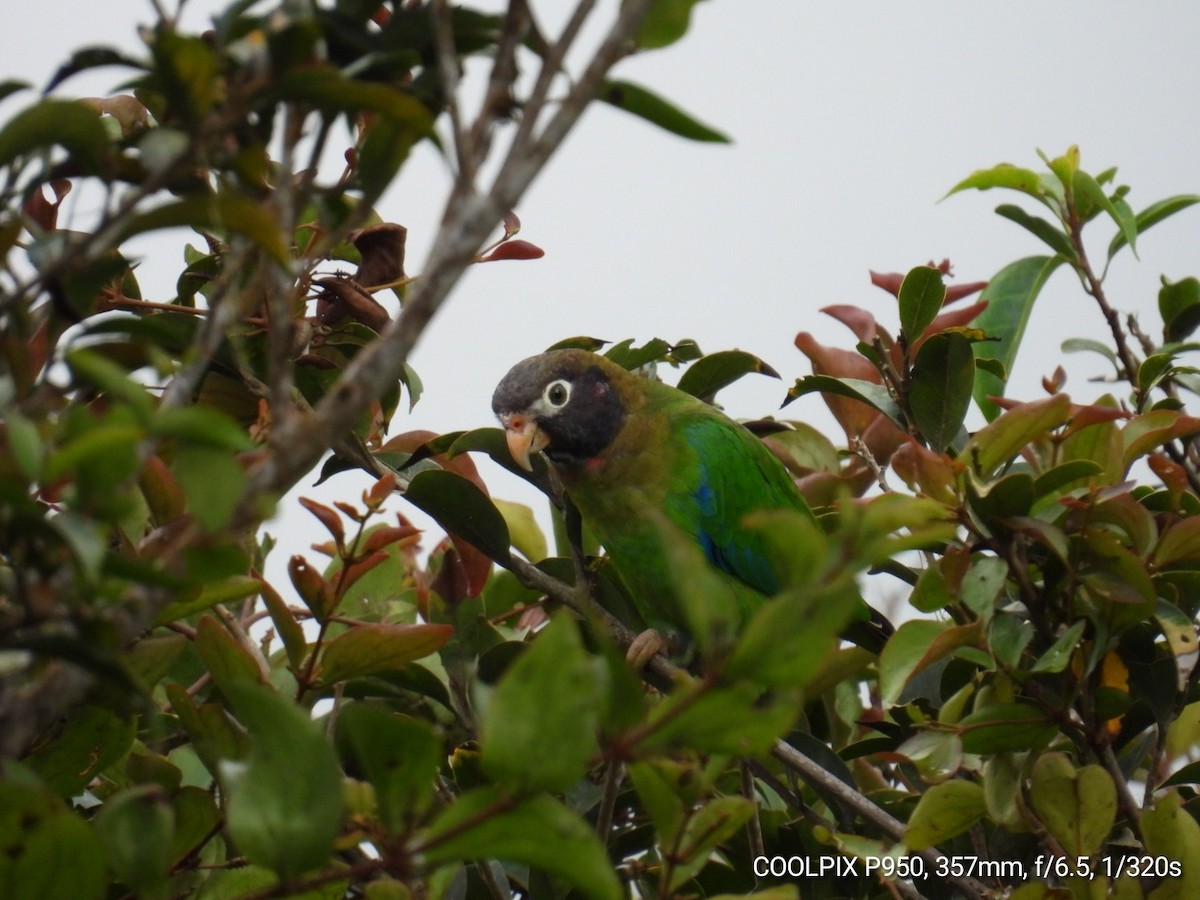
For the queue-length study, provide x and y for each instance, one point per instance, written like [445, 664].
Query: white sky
[849, 121]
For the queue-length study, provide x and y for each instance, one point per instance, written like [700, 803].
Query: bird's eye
[557, 393]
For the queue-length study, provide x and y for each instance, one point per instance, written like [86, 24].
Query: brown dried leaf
[382, 249]
[341, 297]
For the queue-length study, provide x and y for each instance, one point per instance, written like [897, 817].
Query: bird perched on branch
[629, 452]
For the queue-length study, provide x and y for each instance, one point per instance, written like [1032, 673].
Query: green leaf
[25, 443]
[1054, 481]
[659, 784]
[112, 379]
[1077, 806]
[135, 828]
[931, 592]
[227, 590]
[461, 508]
[1179, 543]
[1088, 192]
[905, 655]
[10, 86]
[711, 373]
[490, 823]
[48, 850]
[921, 295]
[283, 817]
[701, 595]
[215, 737]
[227, 661]
[202, 425]
[1058, 656]
[936, 754]
[523, 529]
[107, 443]
[151, 658]
[539, 727]
[1010, 295]
[228, 211]
[813, 616]
[1172, 833]
[1004, 175]
[90, 740]
[1151, 216]
[739, 720]
[944, 811]
[1047, 232]
[400, 756]
[665, 23]
[67, 123]
[874, 395]
[981, 585]
[1005, 437]
[1009, 635]
[640, 102]
[383, 152]
[1179, 306]
[627, 356]
[196, 820]
[375, 648]
[1006, 728]
[805, 448]
[212, 482]
[186, 70]
[940, 393]
[329, 90]
[714, 823]
[290, 631]
[1078, 345]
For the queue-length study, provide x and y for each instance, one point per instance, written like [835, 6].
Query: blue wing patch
[718, 529]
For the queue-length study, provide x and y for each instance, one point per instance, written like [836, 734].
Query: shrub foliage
[458, 720]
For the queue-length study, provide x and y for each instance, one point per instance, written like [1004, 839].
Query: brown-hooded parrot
[625, 446]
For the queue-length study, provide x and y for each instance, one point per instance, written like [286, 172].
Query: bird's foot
[644, 647]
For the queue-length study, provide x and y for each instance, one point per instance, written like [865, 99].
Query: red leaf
[327, 517]
[956, 292]
[857, 319]
[956, 318]
[889, 281]
[404, 535]
[514, 250]
[853, 415]
[45, 212]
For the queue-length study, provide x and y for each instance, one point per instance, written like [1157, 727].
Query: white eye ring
[557, 393]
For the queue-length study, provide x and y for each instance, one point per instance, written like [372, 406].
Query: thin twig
[614, 774]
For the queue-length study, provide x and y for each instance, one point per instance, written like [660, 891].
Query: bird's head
[565, 402]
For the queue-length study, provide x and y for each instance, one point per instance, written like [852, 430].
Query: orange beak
[524, 439]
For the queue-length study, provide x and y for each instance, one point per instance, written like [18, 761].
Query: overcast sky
[849, 121]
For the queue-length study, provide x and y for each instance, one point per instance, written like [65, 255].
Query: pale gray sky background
[849, 122]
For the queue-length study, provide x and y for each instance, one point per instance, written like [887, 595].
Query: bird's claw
[644, 647]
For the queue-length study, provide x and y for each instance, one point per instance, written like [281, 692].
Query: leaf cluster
[459, 719]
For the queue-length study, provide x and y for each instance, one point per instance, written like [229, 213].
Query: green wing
[733, 474]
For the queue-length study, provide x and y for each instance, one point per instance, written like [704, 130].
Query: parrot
[630, 451]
